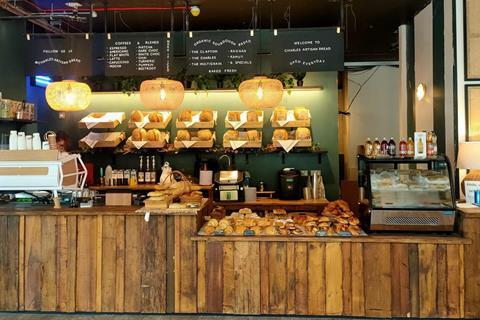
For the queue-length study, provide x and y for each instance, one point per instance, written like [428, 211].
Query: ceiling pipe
[179, 8]
[20, 12]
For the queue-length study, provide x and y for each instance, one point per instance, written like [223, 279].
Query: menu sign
[66, 56]
[221, 52]
[137, 54]
[307, 50]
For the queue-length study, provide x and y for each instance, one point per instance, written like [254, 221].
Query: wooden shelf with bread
[146, 133]
[102, 120]
[196, 129]
[292, 128]
[149, 119]
[243, 133]
[101, 140]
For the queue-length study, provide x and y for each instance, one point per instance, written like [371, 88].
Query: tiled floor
[46, 316]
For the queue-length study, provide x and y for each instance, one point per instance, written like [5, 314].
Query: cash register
[229, 186]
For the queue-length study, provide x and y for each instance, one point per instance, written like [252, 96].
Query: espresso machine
[290, 186]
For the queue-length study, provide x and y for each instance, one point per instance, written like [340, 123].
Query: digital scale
[229, 186]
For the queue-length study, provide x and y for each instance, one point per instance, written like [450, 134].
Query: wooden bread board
[197, 124]
[198, 145]
[247, 125]
[300, 144]
[167, 117]
[104, 140]
[101, 124]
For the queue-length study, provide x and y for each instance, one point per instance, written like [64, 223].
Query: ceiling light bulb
[260, 91]
[163, 94]
[109, 36]
[69, 97]
[195, 11]
[421, 91]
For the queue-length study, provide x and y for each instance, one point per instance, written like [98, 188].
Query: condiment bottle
[410, 148]
[376, 148]
[133, 178]
[402, 147]
[108, 175]
[368, 148]
[392, 149]
[102, 178]
[434, 143]
[384, 147]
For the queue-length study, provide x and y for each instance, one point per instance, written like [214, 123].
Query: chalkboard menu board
[307, 50]
[137, 54]
[65, 57]
[221, 52]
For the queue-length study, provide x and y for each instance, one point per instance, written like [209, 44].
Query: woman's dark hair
[62, 135]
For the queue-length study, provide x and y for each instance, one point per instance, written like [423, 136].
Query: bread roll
[139, 134]
[185, 115]
[233, 116]
[302, 134]
[280, 114]
[205, 135]
[206, 115]
[154, 135]
[252, 116]
[280, 134]
[209, 230]
[230, 135]
[136, 116]
[212, 223]
[183, 135]
[245, 210]
[301, 113]
[155, 117]
[253, 135]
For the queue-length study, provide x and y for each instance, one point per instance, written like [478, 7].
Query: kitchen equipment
[406, 194]
[229, 186]
[318, 189]
[307, 193]
[290, 184]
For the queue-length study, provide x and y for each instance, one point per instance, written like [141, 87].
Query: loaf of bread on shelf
[185, 115]
[205, 135]
[155, 117]
[253, 135]
[136, 116]
[302, 134]
[280, 134]
[183, 135]
[154, 135]
[253, 116]
[139, 134]
[301, 113]
[231, 135]
[280, 114]
[206, 115]
[233, 116]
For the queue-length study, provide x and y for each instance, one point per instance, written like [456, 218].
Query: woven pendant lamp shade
[162, 94]
[261, 92]
[68, 95]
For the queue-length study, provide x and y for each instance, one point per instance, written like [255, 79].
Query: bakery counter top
[266, 204]
[28, 209]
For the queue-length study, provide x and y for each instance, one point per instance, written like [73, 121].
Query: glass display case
[406, 194]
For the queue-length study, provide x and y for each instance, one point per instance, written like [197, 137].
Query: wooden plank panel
[66, 262]
[316, 278]
[228, 278]
[358, 290]
[153, 265]
[86, 263]
[442, 276]
[400, 280]
[427, 278]
[264, 279]
[301, 278]
[21, 264]
[291, 282]
[471, 230]
[461, 283]
[120, 264]
[247, 277]
[33, 263]
[9, 242]
[214, 278]
[201, 281]
[49, 266]
[378, 280]
[347, 278]
[334, 278]
[133, 256]
[98, 266]
[454, 273]
[277, 270]
[413, 273]
[109, 254]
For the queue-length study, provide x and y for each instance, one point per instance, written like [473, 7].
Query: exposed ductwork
[23, 14]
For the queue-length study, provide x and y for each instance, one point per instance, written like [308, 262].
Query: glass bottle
[410, 148]
[368, 148]
[141, 173]
[384, 147]
[392, 148]
[402, 147]
[153, 172]
[147, 170]
[376, 148]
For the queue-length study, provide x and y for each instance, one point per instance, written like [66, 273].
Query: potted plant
[200, 82]
[219, 79]
[129, 85]
[299, 76]
[285, 78]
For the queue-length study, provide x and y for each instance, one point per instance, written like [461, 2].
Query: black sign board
[137, 54]
[307, 50]
[221, 52]
[65, 57]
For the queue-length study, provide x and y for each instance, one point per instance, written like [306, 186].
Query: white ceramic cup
[45, 145]
[22, 143]
[13, 140]
[28, 142]
[36, 141]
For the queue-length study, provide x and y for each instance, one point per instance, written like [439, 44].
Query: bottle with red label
[384, 147]
[402, 148]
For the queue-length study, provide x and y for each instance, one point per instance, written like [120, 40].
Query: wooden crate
[104, 140]
[291, 121]
[150, 144]
[167, 117]
[300, 144]
[103, 120]
[248, 124]
[198, 144]
[196, 123]
[249, 144]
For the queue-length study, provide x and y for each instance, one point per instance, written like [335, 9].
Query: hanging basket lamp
[68, 95]
[261, 92]
[162, 94]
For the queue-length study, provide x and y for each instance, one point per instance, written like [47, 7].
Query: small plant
[299, 76]
[129, 85]
[201, 82]
[234, 80]
[219, 79]
[285, 78]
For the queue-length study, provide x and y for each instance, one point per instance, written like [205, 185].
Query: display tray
[196, 123]
[167, 117]
[194, 144]
[102, 120]
[242, 142]
[147, 144]
[250, 233]
[291, 121]
[101, 140]
[300, 144]
[243, 123]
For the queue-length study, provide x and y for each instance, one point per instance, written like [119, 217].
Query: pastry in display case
[404, 194]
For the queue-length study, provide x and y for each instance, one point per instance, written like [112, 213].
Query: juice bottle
[420, 147]
[429, 144]
[384, 147]
[376, 148]
[434, 145]
[402, 147]
[392, 148]
[410, 148]
[368, 148]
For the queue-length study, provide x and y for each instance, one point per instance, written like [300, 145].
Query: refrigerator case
[404, 194]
